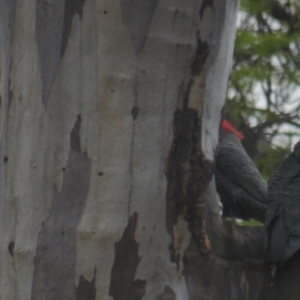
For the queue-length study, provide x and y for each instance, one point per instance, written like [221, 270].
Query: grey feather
[282, 237]
[242, 190]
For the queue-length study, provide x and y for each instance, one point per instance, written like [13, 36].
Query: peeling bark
[71, 8]
[188, 173]
[54, 262]
[48, 29]
[86, 290]
[122, 284]
[200, 56]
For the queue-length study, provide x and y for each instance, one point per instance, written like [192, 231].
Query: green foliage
[262, 96]
[270, 160]
[251, 222]
[239, 222]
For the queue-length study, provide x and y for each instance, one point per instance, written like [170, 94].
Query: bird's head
[227, 127]
[296, 151]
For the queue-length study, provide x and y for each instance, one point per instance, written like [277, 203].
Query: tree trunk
[110, 113]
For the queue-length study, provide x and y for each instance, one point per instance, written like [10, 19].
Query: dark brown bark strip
[201, 55]
[188, 174]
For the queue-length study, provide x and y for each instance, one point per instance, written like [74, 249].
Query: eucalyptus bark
[110, 113]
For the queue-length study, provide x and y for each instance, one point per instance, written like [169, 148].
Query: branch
[229, 240]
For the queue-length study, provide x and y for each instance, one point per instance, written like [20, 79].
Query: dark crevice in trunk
[201, 55]
[188, 172]
[188, 175]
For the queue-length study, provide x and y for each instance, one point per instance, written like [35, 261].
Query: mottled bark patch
[137, 15]
[167, 294]
[188, 175]
[86, 290]
[48, 29]
[55, 259]
[72, 7]
[205, 4]
[122, 284]
[188, 171]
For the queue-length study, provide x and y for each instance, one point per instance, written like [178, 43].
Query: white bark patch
[216, 80]
[107, 83]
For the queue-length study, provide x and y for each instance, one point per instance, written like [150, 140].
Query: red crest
[229, 127]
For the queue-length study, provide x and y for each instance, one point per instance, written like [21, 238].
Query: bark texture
[109, 121]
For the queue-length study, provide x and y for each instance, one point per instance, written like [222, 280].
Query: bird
[242, 189]
[282, 224]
